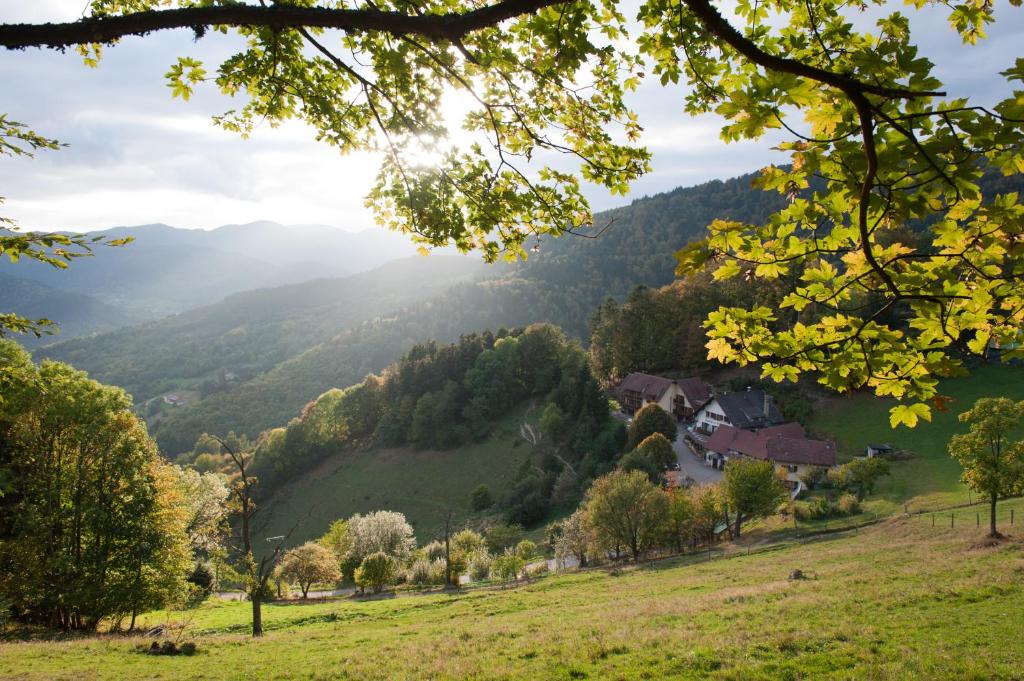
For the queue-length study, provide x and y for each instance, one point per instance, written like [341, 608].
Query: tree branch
[715, 23]
[106, 29]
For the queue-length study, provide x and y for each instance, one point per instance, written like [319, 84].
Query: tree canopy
[891, 253]
[992, 458]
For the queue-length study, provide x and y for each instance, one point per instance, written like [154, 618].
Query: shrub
[481, 499]
[507, 566]
[437, 572]
[480, 566]
[376, 570]
[815, 478]
[500, 537]
[849, 504]
[434, 551]
[538, 570]
[200, 583]
[418, 573]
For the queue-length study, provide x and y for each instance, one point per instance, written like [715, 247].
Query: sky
[137, 156]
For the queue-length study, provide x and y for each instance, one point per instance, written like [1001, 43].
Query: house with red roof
[786, 446]
[681, 397]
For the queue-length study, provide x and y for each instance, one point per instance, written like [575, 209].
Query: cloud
[137, 156]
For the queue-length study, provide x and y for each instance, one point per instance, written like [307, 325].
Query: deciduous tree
[647, 421]
[625, 509]
[751, 489]
[92, 522]
[309, 564]
[993, 460]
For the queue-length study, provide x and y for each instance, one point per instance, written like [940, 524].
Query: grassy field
[421, 484]
[932, 478]
[899, 600]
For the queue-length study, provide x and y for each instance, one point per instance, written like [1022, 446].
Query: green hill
[249, 333]
[422, 484]
[903, 600]
[563, 284]
[931, 478]
[77, 314]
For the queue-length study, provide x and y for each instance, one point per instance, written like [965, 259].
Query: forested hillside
[79, 314]
[563, 283]
[252, 332]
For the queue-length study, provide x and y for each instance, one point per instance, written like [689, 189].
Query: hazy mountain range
[167, 270]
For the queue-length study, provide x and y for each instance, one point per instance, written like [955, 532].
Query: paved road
[691, 464]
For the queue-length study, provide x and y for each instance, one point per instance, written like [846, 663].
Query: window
[791, 468]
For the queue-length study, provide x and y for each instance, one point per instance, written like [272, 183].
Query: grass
[899, 600]
[932, 478]
[421, 484]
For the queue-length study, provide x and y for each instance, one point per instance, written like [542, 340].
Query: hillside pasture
[931, 479]
[899, 600]
[422, 484]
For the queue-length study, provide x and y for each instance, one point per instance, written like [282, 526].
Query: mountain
[211, 348]
[78, 314]
[563, 284]
[167, 270]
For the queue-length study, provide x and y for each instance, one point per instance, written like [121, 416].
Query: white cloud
[137, 156]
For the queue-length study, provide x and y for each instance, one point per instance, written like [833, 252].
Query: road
[691, 464]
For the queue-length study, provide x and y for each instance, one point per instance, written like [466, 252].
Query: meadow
[902, 599]
[423, 484]
[931, 479]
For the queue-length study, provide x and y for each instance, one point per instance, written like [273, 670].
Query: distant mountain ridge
[166, 270]
[78, 314]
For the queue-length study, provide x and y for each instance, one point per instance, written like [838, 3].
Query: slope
[423, 484]
[562, 284]
[167, 270]
[931, 478]
[901, 600]
[249, 333]
[78, 314]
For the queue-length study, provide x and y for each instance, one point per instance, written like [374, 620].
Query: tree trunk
[257, 615]
[739, 524]
[992, 531]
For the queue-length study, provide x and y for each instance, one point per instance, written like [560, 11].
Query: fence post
[977, 520]
[1011, 516]
[933, 520]
[951, 520]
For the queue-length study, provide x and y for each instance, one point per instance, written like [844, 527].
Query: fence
[977, 515]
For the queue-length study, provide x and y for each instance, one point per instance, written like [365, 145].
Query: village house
[681, 398]
[786, 446]
[746, 410]
[175, 399]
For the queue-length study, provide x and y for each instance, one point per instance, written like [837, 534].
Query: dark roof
[696, 391]
[801, 450]
[651, 387]
[782, 444]
[746, 409]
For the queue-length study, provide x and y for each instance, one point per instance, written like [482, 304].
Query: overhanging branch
[438, 27]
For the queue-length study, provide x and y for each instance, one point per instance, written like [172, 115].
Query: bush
[538, 570]
[480, 566]
[418, 573]
[849, 504]
[816, 478]
[481, 498]
[200, 583]
[507, 566]
[820, 508]
[434, 551]
[376, 570]
[437, 572]
[500, 537]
